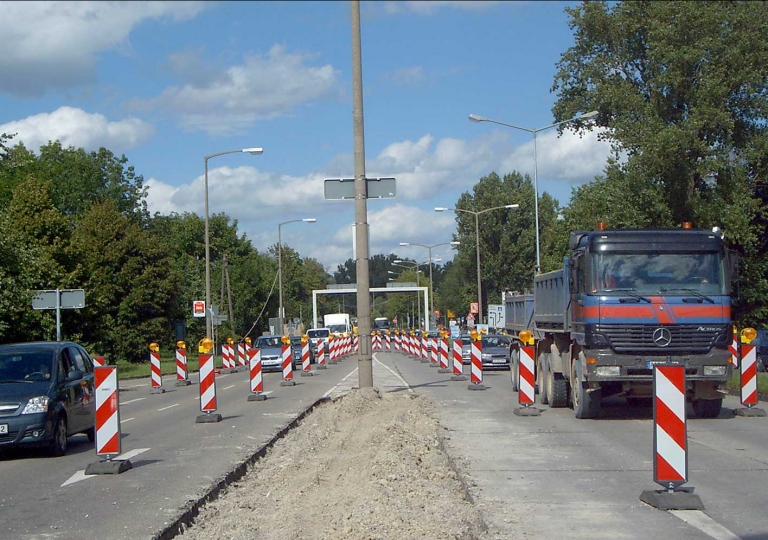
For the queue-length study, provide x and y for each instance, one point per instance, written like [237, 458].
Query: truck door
[578, 286]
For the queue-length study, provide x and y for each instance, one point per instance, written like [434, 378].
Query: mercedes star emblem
[662, 337]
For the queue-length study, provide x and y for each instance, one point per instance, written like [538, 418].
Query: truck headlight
[608, 371]
[714, 370]
[36, 405]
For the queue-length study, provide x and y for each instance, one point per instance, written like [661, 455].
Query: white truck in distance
[337, 323]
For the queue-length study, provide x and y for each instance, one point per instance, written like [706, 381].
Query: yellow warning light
[474, 335]
[154, 347]
[181, 345]
[747, 335]
[483, 331]
[205, 345]
[286, 340]
[525, 336]
[230, 340]
[304, 338]
[247, 340]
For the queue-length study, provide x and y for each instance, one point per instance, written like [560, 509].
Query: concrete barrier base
[208, 418]
[257, 397]
[182, 383]
[752, 412]
[527, 411]
[475, 386]
[459, 378]
[109, 466]
[287, 383]
[157, 390]
[682, 498]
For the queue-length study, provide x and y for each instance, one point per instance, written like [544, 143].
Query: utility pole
[364, 357]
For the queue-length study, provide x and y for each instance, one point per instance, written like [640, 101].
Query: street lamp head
[404, 244]
[512, 206]
[590, 114]
[309, 220]
[476, 118]
[455, 243]
[437, 259]
[391, 272]
[440, 209]
[254, 151]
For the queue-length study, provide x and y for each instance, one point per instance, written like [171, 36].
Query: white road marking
[408, 386]
[80, 475]
[329, 392]
[132, 401]
[704, 523]
[126, 420]
[168, 407]
[228, 387]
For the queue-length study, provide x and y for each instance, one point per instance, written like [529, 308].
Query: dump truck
[624, 301]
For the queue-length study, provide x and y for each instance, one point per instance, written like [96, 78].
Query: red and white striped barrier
[228, 356]
[331, 350]
[182, 371]
[287, 363]
[424, 345]
[320, 357]
[306, 369]
[207, 384]
[458, 366]
[525, 377]
[388, 342]
[733, 348]
[356, 341]
[434, 352]
[207, 390]
[99, 361]
[748, 375]
[107, 411]
[157, 376]
[670, 433]
[444, 353]
[257, 380]
[476, 354]
[241, 354]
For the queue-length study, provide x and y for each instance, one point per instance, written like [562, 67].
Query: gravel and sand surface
[362, 467]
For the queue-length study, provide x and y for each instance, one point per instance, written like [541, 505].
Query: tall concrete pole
[364, 357]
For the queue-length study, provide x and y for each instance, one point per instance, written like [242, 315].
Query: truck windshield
[653, 273]
[337, 328]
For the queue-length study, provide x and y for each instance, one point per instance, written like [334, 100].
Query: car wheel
[58, 446]
[91, 434]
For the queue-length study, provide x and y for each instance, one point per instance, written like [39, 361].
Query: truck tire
[542, 364]
[514, 369]
[585, 404]
[557, 390]
[707, 408]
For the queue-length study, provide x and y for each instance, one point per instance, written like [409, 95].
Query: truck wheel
[557, 390]
[585, 404]
[541, 370]
[707, 408]
[514, 369]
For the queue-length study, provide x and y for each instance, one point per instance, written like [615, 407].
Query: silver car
[271, 348]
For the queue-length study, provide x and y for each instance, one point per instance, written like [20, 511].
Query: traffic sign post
[344, 188]
[59, 299]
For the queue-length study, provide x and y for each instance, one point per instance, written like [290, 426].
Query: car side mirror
[74, 375]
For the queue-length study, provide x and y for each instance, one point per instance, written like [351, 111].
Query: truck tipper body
[624, 301]
[337, 323]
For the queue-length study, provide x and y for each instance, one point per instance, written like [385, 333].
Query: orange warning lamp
[285, 340]
[474, 335]
[304, 338]
[747, 335]
[206, 344]
[181, 345]
[526, 337]
[230, 340]
[247, 340]
[686, 224]
[154, 347]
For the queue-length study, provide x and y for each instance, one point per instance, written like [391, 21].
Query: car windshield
[268, 342]
[495, 341]
[338, 328]
[320, 333]
[26, 365]
[654, 273]
[295, 340]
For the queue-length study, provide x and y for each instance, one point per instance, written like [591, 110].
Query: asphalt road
[533, 477]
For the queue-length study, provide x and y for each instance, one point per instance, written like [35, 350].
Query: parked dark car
[271, 348]
[495, 351]
[46, 395]
[296, 345]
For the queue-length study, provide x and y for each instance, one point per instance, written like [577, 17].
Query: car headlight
[486, 356]
[608, 371]
[714, 370]
[36, 405]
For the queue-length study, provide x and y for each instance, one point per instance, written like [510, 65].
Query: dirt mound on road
[366, 466]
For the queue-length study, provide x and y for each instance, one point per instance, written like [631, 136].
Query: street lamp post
[208, 318]
[477, 245]
[476, 118]
[431, 289]
[280, 310]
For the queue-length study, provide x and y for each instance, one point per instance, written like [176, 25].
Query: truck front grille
[639, 338]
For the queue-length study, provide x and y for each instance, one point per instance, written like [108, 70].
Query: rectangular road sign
[344, 188]
[68, 299]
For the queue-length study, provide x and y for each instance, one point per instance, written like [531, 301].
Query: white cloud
[75, 127]
[429, 173]
[407, 76]
[227, 102]
[55, 44]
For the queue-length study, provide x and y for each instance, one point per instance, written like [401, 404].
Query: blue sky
[167, 83]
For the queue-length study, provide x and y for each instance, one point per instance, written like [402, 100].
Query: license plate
[3, 429]
[650, 363]
[499, 361]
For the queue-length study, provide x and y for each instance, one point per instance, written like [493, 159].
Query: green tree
[682, 91]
